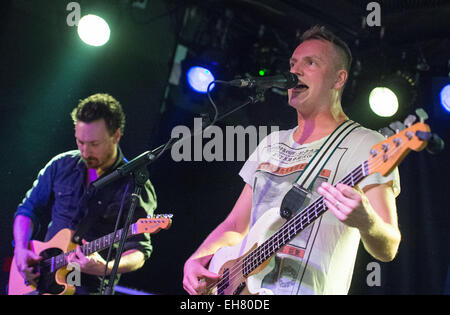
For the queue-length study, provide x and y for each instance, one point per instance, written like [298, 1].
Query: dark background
[46, 69]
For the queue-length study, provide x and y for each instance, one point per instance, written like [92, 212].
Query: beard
[91, 162]
[95, 163]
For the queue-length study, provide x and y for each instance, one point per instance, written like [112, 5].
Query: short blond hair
[322, 33]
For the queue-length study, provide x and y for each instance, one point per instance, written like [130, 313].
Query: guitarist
[320, 259]
[62, 188]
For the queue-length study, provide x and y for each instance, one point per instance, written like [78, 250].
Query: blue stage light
[199, 78]
[445, 97]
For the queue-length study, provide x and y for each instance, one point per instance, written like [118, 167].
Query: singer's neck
[319, 124]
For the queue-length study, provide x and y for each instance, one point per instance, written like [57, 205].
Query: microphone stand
[140, 176]
[138, 169]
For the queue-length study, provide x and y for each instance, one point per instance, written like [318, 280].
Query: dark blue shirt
[60, 188]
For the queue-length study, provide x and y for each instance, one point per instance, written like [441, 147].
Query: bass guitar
[53, 266]
[244, 273]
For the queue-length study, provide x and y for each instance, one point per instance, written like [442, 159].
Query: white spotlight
[383, 102]
[93, 30]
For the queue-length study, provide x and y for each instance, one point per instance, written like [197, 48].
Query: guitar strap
[295, 197]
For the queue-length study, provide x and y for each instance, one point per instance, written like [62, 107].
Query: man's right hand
[25, 260]
[196, 276]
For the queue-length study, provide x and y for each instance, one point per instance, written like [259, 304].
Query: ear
[341, 78]
[117, 135]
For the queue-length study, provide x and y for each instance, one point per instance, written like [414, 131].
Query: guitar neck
[297, 224]
[97, 245]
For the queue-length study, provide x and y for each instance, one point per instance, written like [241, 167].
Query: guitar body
[49, 282]
[238, 283]
[53, 267]
[243, 267]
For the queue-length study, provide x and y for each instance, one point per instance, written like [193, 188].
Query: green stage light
[93, 30]
[383, 102]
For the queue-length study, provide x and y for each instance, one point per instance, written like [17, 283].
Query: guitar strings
[304, 217]
[234, 273]
[60, 260]
[317, 204]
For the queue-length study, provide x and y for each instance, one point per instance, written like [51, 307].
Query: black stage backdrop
[45, 71]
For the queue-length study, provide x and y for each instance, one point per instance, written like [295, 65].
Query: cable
[119, 216]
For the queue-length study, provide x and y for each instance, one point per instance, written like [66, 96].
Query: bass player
[320, 259]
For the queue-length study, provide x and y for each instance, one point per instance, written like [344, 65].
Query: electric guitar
[244, 273]
[53, 266]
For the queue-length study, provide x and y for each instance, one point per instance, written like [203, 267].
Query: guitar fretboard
[296, 224]
[59, 261]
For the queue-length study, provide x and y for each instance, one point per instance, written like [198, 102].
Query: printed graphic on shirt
[320, 259]
[273, 178]
[284, 153]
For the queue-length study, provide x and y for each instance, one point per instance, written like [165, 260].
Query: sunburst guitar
[53, 266]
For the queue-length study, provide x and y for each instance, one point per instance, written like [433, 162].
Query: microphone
[286, 80]
[124, 170]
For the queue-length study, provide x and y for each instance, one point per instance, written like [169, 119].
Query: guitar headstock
[153, 224]
[387, 154]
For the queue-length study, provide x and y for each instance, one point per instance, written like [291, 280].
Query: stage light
[445, 97]
[93, 30]
[383, 102]
[199, 78]
[262, 72]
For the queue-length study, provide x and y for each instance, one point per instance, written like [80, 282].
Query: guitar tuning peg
[410, 120]
[421, 114]
[397, 126]
[386, 132]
